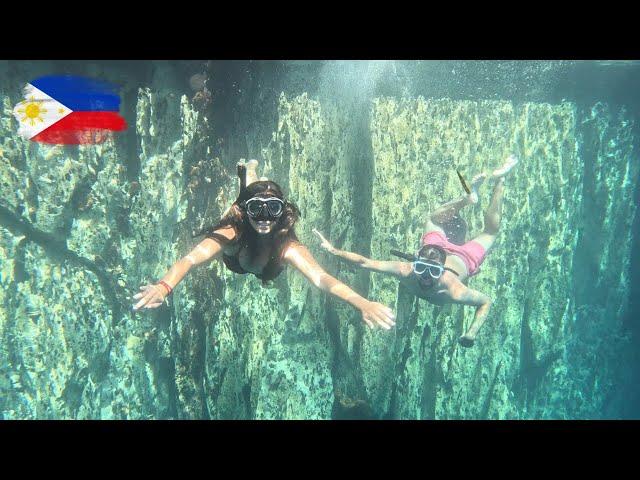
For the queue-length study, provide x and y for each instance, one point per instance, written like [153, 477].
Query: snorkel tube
[413, 258]
[242, 174]
[464, 184]
[405, 256]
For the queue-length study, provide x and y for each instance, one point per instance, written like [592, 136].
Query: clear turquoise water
[242, 118]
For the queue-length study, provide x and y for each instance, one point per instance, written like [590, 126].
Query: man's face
[425, 281]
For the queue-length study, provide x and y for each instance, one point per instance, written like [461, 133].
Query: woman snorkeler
[256, 236]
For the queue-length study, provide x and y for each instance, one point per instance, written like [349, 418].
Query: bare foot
[466, 341]
[511, 162]
[252, 176]
[475, 185]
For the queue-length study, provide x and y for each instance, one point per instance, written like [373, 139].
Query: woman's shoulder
[224, 235]
[228, 231]
[290, 246]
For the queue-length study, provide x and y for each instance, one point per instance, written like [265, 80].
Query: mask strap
[452, 271]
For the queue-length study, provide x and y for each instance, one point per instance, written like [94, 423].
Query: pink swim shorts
[471, 253]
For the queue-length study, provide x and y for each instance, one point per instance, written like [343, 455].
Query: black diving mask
[256, 205]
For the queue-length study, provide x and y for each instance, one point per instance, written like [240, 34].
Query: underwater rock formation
[78, 235]
[418, 145]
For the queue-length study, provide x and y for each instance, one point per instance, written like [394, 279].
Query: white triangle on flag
[37, 112]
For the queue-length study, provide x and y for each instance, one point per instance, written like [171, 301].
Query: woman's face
[264, 212]
[262, 226]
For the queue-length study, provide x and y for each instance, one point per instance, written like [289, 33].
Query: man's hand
[151, 296]
[375, 314]
[325, 243]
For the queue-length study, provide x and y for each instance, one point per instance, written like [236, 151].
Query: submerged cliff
[82, 227]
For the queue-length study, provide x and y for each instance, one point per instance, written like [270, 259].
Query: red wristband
[165, 285]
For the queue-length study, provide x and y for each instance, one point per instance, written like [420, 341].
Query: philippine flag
[69, 110]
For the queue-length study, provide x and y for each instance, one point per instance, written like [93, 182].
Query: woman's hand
[325, 243]
[372, 313]
[151, 296]
[376, 314]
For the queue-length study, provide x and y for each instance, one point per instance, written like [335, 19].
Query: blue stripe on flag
[80, 94]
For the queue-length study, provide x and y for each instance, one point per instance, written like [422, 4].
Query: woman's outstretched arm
[152, 296]
[372, 313]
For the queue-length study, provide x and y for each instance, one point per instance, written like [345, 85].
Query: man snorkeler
[256, 235]
[438, 269]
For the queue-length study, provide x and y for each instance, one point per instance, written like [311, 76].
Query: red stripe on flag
[82, 128]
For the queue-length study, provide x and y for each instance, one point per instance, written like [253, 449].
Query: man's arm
[372, 313]
[390, 267]
[152, 296]
[464, 295]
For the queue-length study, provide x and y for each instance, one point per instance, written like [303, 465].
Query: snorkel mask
[428, 270]
[263, 208]
[421, 267]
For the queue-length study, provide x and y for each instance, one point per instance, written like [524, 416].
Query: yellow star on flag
[37, 112]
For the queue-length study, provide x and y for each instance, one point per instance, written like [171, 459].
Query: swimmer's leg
[252, 176]
[492, 217]
[511, 162]
[447, 211]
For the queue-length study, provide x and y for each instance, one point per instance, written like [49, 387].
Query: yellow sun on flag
[32, 111]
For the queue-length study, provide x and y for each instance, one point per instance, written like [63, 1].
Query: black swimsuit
[271, 270]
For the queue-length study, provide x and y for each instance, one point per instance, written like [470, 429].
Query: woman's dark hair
[286, 221]
[247, 236]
